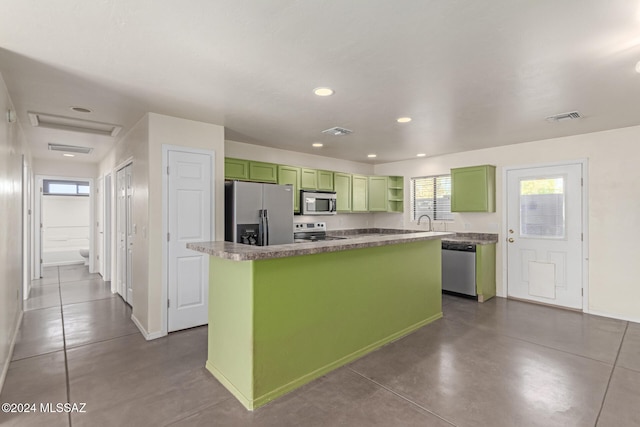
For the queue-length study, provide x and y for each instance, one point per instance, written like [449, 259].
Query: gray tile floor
[501, 363]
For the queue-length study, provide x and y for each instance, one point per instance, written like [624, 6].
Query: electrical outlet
[467, 226]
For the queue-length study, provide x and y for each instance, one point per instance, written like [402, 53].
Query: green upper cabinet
[359, 193]
[308, 179]
[236, 169]
[247, 170]
[319, 180]
[396, 193]
[342, 187]
[263, 172]
[325, 181]
[378, 198]
[291, 175]
[473, 189]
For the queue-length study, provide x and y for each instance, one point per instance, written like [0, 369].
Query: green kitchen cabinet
[342, 187]
[485, 272]
[359, 193]
[395, 193]
[378, 198]
[316, 180]
[236, 169]
[247, 170]
[291, 175]
[325, 181]
[263, 172]
[308, 179]
[473, 189]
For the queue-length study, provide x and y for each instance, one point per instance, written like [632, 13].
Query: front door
[190, 219]
[544, 234]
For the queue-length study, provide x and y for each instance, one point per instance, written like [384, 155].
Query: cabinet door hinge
[167, 170]
[168, 303]
[168, 237]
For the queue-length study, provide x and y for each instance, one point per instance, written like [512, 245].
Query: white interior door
[544, 234]
[106, 259]
[190, 219]
[130, 232]
[100, 225]
[124, 233]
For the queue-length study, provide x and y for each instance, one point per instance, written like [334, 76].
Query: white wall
[65, 223]
[165, 130]
[70, 168]
[12, 148]
[241, 150]
[613, 202]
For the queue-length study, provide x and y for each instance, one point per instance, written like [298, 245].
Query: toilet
[84, 253]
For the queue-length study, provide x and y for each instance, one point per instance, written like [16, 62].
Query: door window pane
[542, 207]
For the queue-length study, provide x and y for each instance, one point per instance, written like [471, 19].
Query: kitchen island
[281, 316]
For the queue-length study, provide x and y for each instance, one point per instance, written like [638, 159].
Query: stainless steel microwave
[317, 203]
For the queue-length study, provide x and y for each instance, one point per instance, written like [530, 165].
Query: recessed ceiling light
[323, 91]
[81, 110]
[69, 155]
[403, 119]
[317, 144]
[421, 155]
[371, 155]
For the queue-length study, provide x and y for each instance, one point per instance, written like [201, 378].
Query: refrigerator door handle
[266, 228]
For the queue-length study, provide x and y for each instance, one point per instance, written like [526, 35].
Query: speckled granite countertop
[365, 239]
[473, 238]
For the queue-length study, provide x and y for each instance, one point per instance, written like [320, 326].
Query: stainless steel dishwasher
[459, 268]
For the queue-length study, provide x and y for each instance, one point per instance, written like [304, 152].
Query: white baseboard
[147, 336]
[5, 367]
[614, 316]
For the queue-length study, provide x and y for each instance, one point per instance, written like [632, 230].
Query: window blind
[431, 195]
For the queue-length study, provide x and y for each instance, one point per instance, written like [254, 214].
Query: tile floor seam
[36, 355]
[89, 300]
[613, 368]
[542, 345]
[401, 396]
[195, 412]
[64, 349]
[73, 347]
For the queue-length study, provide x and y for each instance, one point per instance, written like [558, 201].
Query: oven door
[317, 203]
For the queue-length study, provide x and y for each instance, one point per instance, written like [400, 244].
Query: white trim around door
[584, 209]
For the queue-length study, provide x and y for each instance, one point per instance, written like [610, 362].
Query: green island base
[277, 324]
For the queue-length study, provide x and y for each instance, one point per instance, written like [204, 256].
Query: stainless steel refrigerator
[258, 214]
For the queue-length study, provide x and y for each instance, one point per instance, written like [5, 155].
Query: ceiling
[470, 74]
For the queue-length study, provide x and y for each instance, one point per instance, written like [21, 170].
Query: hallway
[501, 363]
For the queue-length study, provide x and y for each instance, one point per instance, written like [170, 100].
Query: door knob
[510, 240]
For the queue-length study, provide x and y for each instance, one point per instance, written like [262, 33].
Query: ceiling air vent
[337, 131]
[564, 116]
[70, 148]
[70, 123]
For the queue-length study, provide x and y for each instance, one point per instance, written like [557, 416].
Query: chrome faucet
[420, 217]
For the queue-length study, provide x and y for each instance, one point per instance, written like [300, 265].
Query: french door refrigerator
[258, 214]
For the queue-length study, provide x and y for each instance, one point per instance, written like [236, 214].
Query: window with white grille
[431, 195]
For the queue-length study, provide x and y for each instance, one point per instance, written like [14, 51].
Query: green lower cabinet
[342, 187]
[485, 271]
[271, 332]
[378, 197]
[291, 175]
[359, 193]
[236, 169]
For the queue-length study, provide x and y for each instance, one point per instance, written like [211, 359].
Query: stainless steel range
[311, 232]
